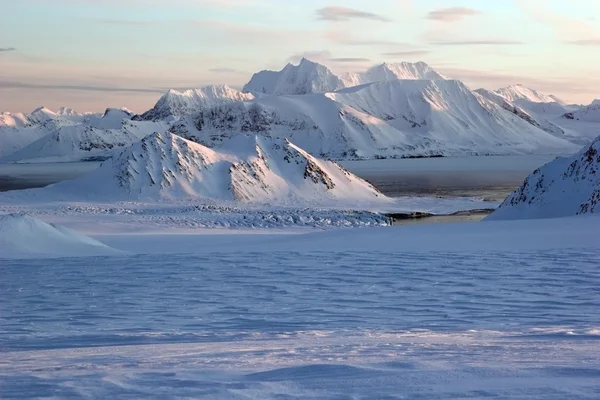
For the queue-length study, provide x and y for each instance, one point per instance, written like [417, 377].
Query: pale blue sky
[90, 54]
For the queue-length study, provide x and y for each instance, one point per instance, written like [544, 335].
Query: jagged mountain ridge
[564, 187]
[251, 169]
[178, 104]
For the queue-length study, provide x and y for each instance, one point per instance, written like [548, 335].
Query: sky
[92, 54]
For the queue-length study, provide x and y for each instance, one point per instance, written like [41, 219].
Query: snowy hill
[177, 104]
[564, 187]
[306, 77]
[22, 236]
[590, 113]
[250, 169]
[392, 71]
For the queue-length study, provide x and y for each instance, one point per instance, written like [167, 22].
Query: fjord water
[26, 176]
[484, 177]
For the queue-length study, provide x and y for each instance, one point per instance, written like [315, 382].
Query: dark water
[26, 176]
[484, 177]
[491, 178]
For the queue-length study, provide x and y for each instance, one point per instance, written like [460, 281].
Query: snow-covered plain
[482, 310]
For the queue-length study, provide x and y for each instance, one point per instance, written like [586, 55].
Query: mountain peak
[393, 71]
[306, 77]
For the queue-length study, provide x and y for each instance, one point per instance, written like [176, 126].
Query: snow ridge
[564, 187]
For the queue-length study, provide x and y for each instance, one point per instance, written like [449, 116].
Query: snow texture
[504, 309]
[22, 236]
[564, 187]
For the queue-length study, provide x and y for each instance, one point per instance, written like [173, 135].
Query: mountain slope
[564, 187]
[392, 71]
[306, 77]
[250, 169]
[449, 113]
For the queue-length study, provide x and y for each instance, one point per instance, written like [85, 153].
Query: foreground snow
[481, 310]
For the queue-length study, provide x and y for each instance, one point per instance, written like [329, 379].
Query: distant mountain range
[390, 110]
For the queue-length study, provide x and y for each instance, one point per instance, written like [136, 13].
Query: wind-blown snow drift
[564, 187]
[22, 236]
[250, 169]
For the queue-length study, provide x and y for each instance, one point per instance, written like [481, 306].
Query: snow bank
[564, 187]
[22, 236]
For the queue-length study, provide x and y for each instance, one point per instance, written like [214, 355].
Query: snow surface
[502, 309]
[564, 187]
[22, 236]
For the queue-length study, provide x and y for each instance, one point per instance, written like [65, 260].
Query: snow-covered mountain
[564, 187]
[392, 71]
[391, 110]
[177, 104]
[66, 137]
[306, 77]
[589, 113]
[250, 169]
[386, 119]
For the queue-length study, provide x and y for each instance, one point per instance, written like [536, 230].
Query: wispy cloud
[325, 56]
[406, 53]
[585, 42]
[7, 49]
[345, 14]
[86, 88]
[481, 42]
[226, 70]
[452, 14]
